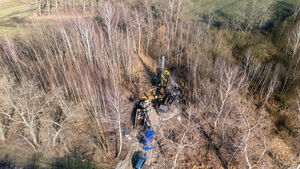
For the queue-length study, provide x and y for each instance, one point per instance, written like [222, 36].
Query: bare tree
[28, 107]
[149, 27]
[171, 5]
[65, 120]
[252, 15]
[177, 139]
[227, 78]
[273, 84]
[294, 41]
[128, 42]
[139, 21]
[184, 142]
[296, 12]
[252, 136]
[117, 108]
[179, 5]
[107, 13]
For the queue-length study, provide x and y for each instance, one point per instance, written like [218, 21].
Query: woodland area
[67, 86]
[56, 6]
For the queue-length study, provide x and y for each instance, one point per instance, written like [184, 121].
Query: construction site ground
[145, 71]
[134, 144]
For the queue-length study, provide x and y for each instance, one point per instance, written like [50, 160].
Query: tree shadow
[33, 162]
[7, 163]
[282, 10]
[213, 146]
[11, 20]
[133, 113]
[150, 73]
[73, 161]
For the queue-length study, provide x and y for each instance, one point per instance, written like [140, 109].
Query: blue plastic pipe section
[148, 140]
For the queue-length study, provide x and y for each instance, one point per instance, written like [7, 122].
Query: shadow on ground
[37, 161]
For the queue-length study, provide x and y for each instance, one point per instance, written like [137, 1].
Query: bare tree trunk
[39, 7]
[128, 44]
[33, 135]
[139, 24]
[178, 151]
[49, 6]
[176, 156]
[150, 27]
[247, 158]
[56, 6]
[171, 6]
[29, 142]
[2, 136]
[66, 5]
[120, 138]
[55, 137]
[84, 5]
[271, 87]
[73, 4]
[177, 15]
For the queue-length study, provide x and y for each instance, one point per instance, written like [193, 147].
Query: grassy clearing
[13, 13]
[225, 9]
[227, 6]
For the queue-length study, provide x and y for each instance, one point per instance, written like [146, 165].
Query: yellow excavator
[161, 97]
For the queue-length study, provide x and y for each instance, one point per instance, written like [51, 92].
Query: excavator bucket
[141, 115]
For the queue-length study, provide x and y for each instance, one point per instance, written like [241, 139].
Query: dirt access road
[126, 163]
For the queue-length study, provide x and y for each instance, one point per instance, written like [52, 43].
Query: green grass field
[13, 13]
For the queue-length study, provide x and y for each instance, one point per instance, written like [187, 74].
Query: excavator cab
[164, 79]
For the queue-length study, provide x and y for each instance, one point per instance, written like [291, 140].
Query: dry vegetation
[67, 87]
